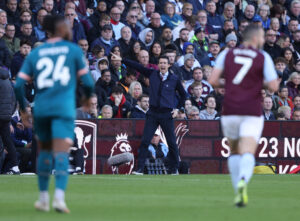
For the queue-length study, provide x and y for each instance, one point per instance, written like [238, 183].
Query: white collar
[164, 76]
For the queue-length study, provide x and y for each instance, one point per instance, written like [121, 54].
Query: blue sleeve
[164, 149]
[152, 150]
[137, 66]
[269, 68]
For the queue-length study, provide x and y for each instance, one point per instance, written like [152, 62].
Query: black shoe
[12, 172]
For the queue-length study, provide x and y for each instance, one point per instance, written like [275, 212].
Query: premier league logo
[120, 147]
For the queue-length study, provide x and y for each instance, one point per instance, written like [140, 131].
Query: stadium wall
[201, 143]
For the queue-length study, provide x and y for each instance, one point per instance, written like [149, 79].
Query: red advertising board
[201, 143]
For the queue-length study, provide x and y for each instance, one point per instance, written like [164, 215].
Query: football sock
[234, 168]
[44, 196]
[61, 174]
[247, 163]
[44, 168]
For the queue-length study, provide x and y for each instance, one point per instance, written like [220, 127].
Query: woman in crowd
[155, 52]
[293, 84]
[170, 18]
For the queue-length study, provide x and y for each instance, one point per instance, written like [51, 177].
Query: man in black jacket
[163, 90]
[7, 108]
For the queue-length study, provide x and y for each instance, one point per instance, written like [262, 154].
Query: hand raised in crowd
[115, 57]
[174, 113]
[118, 99]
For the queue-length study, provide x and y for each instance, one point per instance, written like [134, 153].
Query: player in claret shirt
[246, 70]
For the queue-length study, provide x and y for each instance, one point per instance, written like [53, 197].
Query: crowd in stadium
[190, 33]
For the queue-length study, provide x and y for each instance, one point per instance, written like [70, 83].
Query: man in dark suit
[164, 86]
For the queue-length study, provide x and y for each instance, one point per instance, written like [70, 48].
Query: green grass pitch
[141, 198]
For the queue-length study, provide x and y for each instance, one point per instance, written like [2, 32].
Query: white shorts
[235, 127]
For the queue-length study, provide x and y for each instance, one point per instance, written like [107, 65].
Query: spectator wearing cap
[228, 14]
[188, 48]
[147, 37]
[200, 42]
[106, 39]
[115, 14]
[12, 11]
[231, 41]
[213, 18]
[273, 49]
[214, 50]
[77, 28]
[189, 24]
[131, 21]
[186, 69]
[170, 18]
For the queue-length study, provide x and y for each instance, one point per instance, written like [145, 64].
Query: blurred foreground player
[245, 70]
[54, 67]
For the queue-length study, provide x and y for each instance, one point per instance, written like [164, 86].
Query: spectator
[155, 52]
[26, 32]
[228, 14]
[5, 58]
[296, 101]
[196, 98]
[103, 87]
[293, 84]
[95, 31]
[273, 49]
[143, 58]
[275, 26]
[100, 10]
[12, 42]
[156, 26]
[166, 37]
[135, 50]
[189, 24]
[12, 11]
[213, 18]
[198, 77]
[286, 111]
[101, 65]
[126, 41]
[84, 45]
[106, 112]
[281, 68]
[291, 28]
[115, 14]
[22, 138]
[147, 37]
[188, 48]
[296, 114]
[106, 39]
[202, 20]
[118, 71]
[231, 41]
[263, 13]
[77, 28]
[200, 42]
[183, 38]
[288, 55]
[7, 108]
[193, 113]
[24, 5]
[243, 24]
[117, 100]
[88, 111]
[126, 83]
[186, 69]
[170, 18]
[131, 22]
[284, 42]
[38, 29]
[135, 91]
[141, 108]
[294, 10]
[249, 13]
[207, 70]
[296, 43]
[187, 104]
[214, 50]
[174, 67]
[19, 57]
[3, 18]
[282, 99]
[267, 108]
[280, 116]
[209, 113]
[187, 11]
[48, 5]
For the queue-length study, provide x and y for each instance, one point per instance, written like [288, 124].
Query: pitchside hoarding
[201, 144]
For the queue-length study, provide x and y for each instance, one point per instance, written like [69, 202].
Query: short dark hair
[117, 89]
[50, 22]
[250, 31]
[209, 96]
[163, 57]
[25, 42]
[105, 70]
[298, 95]
[183, 29]
[197, 68]
[280, 60]
[26, 23]
[140, 98]
[282, 87]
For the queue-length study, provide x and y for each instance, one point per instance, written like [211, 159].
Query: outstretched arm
[135, 65]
